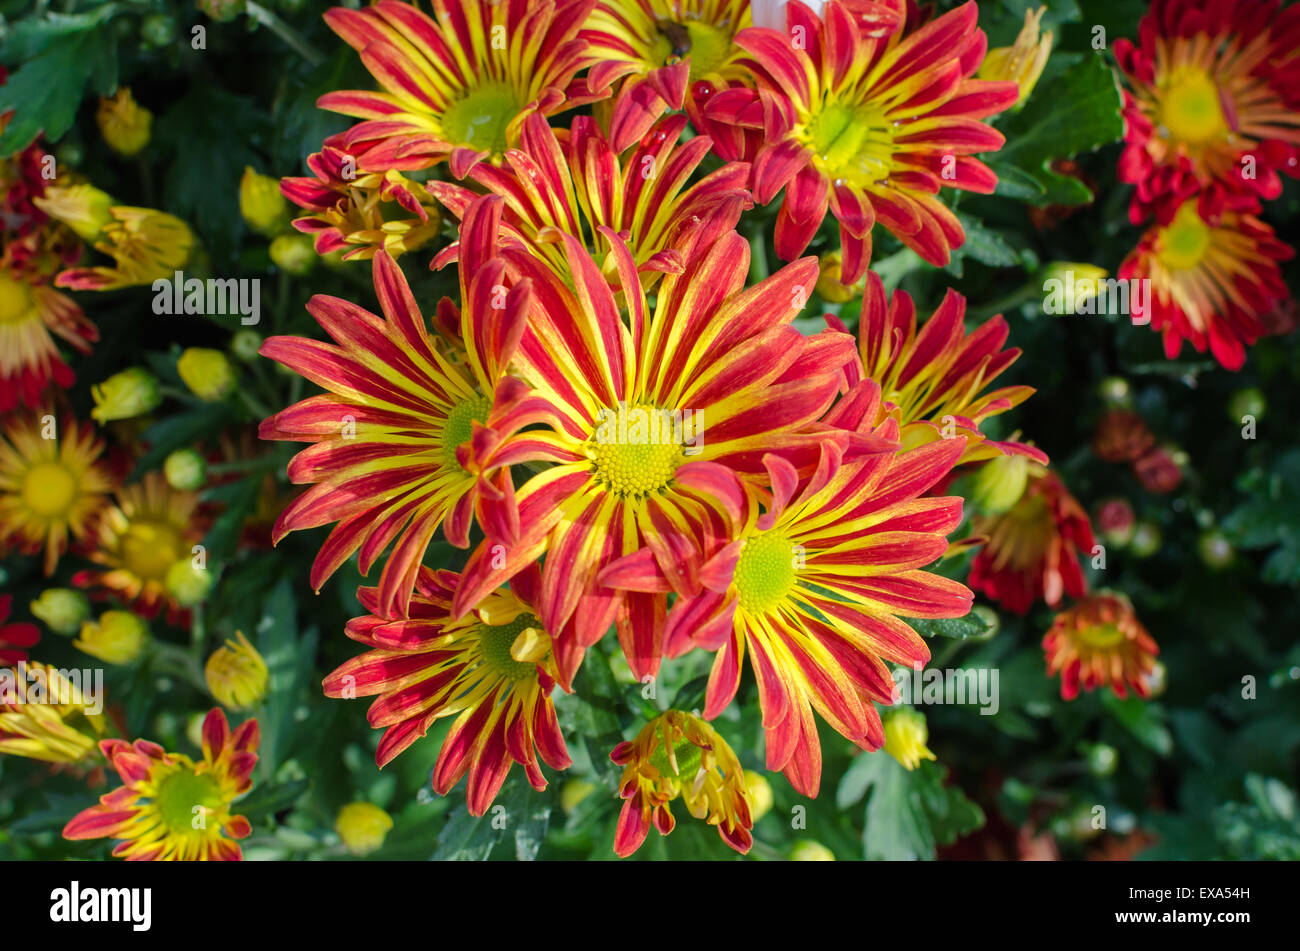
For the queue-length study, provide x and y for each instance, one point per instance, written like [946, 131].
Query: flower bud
[245, 344]
[362, 827]
[187, 584]
[1021, 63]
[62, 609]
[760, 794]
[1121, 436]
[223, 11]
[1000, 483]
[807, 850]
[1146, 539]
[185, 469]
[117, 637]
[829, 286]
[574, 792]
[1116, 522]
[261, 203]
[208, 373]
[132, 392]
[1159, 470]
[293, 254]
[83, 208]
[237, 675]
[124, 123]
[905, 737]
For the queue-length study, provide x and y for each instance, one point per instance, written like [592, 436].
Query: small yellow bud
[117, 637]
[1001, 482]
[294, 254]
[573, 792]
[809, 851]
[760, 794]
[236, 674]
[208, 373]
[1022, 62]
[261, 203]
[83, 208]
[62, 610]
[124, 123]
[905, 737]
[187, 584]
[185, 469]
[132, 392]
[829, 287]
[362, 827]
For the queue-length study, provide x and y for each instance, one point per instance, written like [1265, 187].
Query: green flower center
[1191, 108]
[150, 548]
[495, 644]
[15, 301]
[853, 143]
[179, 796]
[765, 571]
[1102, 636]
[460, 426]
[688, 758]
[1183, 242]
[49, 489]
[479, 119]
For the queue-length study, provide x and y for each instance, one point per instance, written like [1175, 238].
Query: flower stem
[283, 30]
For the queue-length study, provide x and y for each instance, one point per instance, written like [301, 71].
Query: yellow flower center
[15, 301]
[187, 802]
[460, 426]
[765, 571]
[150, 548]
[49, 489]
[479, 119]
[496, 643]
[853, 143]
[1183, 242]
[707, 46]
[1191, 108]
[635, 451]
[1103, 636]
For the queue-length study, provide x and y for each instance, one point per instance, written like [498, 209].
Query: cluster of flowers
[1212, 116]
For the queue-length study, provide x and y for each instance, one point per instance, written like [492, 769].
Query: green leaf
[1145, 720]
[1078, 111]
[287, 657]
[959, 628]
[175, 432]
[911, 812]
[46, 91]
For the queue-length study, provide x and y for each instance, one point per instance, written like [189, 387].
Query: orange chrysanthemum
[1099, 642]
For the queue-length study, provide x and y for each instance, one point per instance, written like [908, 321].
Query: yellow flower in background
[61, 609]
[237, 674]
[678, 754]
[293, 254]
[1022, 62]
[362, 827]
[829, 286]
[185, 469]
[187, 584]
[130, 392]
[145, 244]
[83, 208]
[905, 737]
[124, 123]
[760, 793]
[117, 637]
[45, 716]
[208, 373]
[260, 202]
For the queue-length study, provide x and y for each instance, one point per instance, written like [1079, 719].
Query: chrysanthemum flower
[574, 182]
[492, 670]
[404, 438]
[170, 808]
[1099, 642]
[656, 53]
[906, 734]
[1211, 106]
[33, 248]
[1121, 435]
[118, 637]
[458, 84]
[677, 754]
[871, 126]
[45, 716]
[650, 425]
[51, 490]
[815, 588]
[145, 244]
[1032, 549]
[14, 638]
[933, 377]
[359, 205]
[150, 528]
[1212, 282]
[236, 674]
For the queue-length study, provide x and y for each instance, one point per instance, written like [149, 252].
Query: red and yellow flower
[630, 407]
[170, 808]
[657, 54]
[33, 248]
[491, 670]
[51, 490]
[679, 755]
[815, 589]
[1213, 281]
[1099, 642]
[356, 206]
[870, 123]
[458, 85]
[1032, 549]
[403, 441]
[572, 181]
[150, 528]
[934, 377]
[1211, 106]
